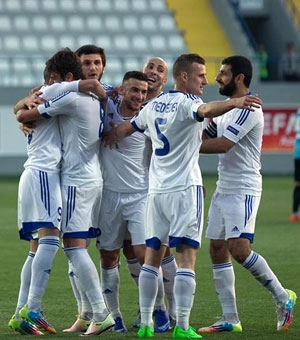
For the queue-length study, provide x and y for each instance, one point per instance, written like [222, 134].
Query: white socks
[110, 282]
[224, 281]
[260, 269]
[184, 291]
[41, 269]
[24, 283]
[86, 272]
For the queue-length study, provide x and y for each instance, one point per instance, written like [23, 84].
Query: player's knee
[109, 259]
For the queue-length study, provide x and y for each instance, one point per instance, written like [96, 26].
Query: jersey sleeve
[190, 107]
[57, 105]
[211, 129]
[139, 121]
[242, 124]
[58, 88]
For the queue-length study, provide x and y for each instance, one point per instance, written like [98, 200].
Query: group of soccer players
[140, 189]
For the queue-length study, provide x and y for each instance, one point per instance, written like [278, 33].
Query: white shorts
[121, 218]
[232, 216]
[81, 205]
[39, 202]
[175, 218]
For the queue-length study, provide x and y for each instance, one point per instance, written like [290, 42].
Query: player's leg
[110, 284]
[78, 222]
[256, 264]
[132, 262]
[26, 277]
[84, 309]
[134, 212]
[223, 273]
[169, 268]
[40, 272]
[89, 282]
[224, 282]
[184, 291]
[112, 230]
[16, 323]
[148, 286]
[241, 251]
[43, 213]
[295, 217]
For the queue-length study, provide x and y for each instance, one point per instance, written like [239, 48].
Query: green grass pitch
[276, 239]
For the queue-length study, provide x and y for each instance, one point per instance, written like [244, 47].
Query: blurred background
[131, 31]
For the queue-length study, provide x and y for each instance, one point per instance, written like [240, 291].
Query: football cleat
[119, 326]
[98, 327]
[222, 326]
[294, 218]
[145, 332]
[180, 333]
[80, 325]
[161, 321]
[23, 326]
[37, 318]
[285, 312]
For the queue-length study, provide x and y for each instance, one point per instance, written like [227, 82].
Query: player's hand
[33, 100]
[249, 102]
[35, 89]
[110, 138]
[27, 128]
[114, 93]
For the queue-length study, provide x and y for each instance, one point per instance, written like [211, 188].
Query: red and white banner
[279, 131]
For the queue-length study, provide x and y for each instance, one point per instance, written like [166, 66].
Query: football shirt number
[166, 146]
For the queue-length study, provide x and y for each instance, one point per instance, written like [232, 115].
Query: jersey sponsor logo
[232, 130]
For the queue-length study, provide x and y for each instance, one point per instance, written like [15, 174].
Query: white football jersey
[129, 154]
[81, 124]
[44, 142]
[239, 168]
[171, 120]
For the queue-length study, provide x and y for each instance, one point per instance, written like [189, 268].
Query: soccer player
[81, 179]
[174, 209]
[125, 178]
[295, 217]
[156, 70]
[93, 63]
[237, 138]
[40, 218]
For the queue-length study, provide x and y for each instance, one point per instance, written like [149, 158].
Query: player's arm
[28, 102]
[217, 108]
[28, 115]
[117, 132]
[94, 86]
[216, 145]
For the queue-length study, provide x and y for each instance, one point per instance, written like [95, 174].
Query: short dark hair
[63, 62]
[92, 49]
[240, 65]
[135, 75]
[184, 63]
